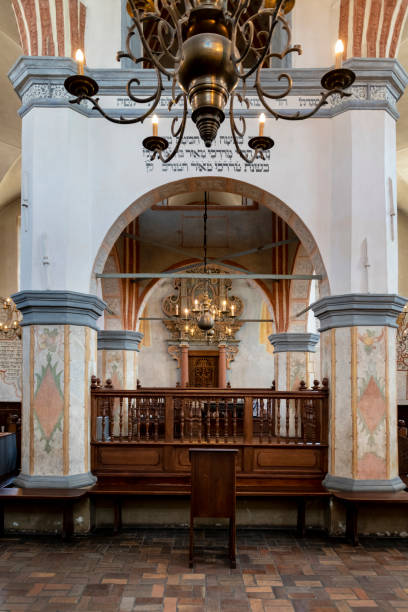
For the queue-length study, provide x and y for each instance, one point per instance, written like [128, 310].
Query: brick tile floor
[147, 570]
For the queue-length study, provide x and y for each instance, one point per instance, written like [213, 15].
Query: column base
[75, 481]
[339, 483]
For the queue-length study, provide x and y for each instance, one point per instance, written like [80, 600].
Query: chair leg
[117, 508]
[301, 517]
[67, 520]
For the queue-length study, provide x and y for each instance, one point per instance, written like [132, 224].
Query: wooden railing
[210, 416]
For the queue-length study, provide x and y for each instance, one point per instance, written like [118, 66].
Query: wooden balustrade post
[248, 421]
[169, 419]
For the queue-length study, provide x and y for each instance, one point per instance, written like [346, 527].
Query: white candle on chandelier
[232, 310]
[177, 310]
[224, 305]
[196, 304]
[155, 124]
[80, 59]
[186, 312]
[262, 120]
[339, 50]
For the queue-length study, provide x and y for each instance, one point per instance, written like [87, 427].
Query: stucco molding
[76, 481]
[59, 308]
[119, 340]
[356, 309]
[339, 483]
[39, 81]
[294, 342]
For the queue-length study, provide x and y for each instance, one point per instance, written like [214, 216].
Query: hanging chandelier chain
[205, 231]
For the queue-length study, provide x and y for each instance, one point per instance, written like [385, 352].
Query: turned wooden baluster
[269, 411]
[208, 421]
[297, 420]
[261, 419]
[191, 420]
[182, 420]
[130, 418]
[138, 420]
[273, 418]
[278, 419]
[120, 418]
[217, 422]
[148, 408]
[287, 420]
[226, 421]
[111, 418]
[105, 413]
[156, 420]
[200, 422]
[234, 420]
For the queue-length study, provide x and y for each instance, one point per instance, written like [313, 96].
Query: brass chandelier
[203, 313]
[206, 48]
[9, 320]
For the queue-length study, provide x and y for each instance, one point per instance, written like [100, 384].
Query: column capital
[294, 343]
[119, 340]
[354, 309]
[59, 308]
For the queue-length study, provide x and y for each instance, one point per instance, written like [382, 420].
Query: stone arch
[299, 296]
[224, 184]
[372, 29]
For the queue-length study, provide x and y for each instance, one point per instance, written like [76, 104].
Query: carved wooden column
[184, 346]
[222, 366]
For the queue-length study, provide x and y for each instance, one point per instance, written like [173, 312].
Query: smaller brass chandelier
[9, 320]
[206, 48]
[205, 313]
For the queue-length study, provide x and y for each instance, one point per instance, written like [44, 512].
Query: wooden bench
[353, 500]
[299, 490]
[61, 499]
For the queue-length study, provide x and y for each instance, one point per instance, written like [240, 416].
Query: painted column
[59, 358]
[117, 357]
[294, 359]
[222, 366]
[358, 349]
[184, 364]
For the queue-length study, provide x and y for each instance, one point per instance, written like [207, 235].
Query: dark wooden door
[203, 370]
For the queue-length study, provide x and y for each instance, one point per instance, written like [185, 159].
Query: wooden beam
[232, 276]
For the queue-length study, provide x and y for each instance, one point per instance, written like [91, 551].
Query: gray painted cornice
[119, 340]
[294, 342]
[354, 309]
[59, 308]
[39, 81]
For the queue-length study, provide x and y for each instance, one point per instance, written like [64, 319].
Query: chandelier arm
[250, 39]
[121, 120]
[300, 116]
[264, 53]
[284, 75]
[236, 131]
[171, 7]
[179, 133]
[151, 56]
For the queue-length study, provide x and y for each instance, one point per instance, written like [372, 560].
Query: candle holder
[155, 143]
[79, 85]
[339, 78]
[263, 143]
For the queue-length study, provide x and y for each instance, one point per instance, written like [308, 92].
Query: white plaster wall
[254, 365]
[156, 367]
[103, 33]
[9, 248]
[88, 171]
[315, 27]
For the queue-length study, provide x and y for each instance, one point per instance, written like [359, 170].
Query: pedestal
[222, 366]
[358, 333]
[59, 358]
